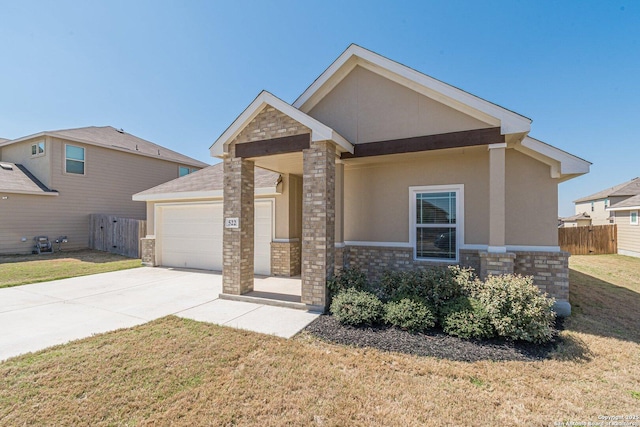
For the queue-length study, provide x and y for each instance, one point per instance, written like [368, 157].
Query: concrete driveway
[33, 317]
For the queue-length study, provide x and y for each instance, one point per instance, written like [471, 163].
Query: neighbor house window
[436, 221]
[606, 203]
[183, 170]
[633, 218]
[74, 159]
[37, 149]
[592, 208]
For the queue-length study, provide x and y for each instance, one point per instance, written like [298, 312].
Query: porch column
[237, 273]
[497, 218]
[318, 221]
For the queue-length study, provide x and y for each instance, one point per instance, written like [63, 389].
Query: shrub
[346, 279]
[466, 318]
[436, 285]
[355, 307]
[516, 308]
[411, 314]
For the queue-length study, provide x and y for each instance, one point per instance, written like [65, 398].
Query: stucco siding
[366, 107]
[111, 178]
[376, 202]
[628, 234]
[531, 202]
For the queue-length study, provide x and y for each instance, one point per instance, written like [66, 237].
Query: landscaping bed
[433, 343]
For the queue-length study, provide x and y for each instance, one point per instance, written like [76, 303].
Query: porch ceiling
[290, 163]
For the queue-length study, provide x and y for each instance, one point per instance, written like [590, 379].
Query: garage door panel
[191, 236]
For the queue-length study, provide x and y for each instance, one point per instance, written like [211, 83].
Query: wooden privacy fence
[591, 240]
[116, 235]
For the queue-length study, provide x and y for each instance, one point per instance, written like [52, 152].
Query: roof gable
[319, 131]
[112, 138]
[451, 96]
[629, 188]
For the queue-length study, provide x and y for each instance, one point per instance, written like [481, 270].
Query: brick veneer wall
[550, 271]
[268, 124]
[285, 258]
[237, 250]
[318, 221]
[149, 251]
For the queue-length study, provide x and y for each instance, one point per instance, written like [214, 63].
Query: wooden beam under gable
[269, 147]
[466, 138]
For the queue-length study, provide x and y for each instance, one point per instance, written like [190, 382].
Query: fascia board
[625, 208]
[569, 164]
[30, 193]
[191, 195]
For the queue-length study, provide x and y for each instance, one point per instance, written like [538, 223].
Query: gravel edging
[433, 343]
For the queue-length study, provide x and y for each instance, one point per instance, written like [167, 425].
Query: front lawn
[182, 372]
[23, 269]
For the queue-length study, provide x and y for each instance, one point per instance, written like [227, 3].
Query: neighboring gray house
[50, 182]
[618, 205]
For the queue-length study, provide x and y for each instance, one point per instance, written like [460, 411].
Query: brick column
[238, 250]
[148, 255]
[318, 221]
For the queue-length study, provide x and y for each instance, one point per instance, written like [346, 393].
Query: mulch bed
[433, 343]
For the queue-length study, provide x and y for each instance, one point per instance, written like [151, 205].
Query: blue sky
[179, 72]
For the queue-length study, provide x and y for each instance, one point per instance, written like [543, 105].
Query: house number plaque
[231, 222]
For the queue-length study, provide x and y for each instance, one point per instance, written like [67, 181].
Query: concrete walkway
[33, 317]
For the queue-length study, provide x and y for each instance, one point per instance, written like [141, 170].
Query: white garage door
[190, 236]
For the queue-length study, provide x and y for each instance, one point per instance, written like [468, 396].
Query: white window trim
[631, 221]
[36, 144]
[459, 190]
[75, 160]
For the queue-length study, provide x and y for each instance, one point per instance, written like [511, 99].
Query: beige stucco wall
[628, 235]
[39, 166]
[376, 201]
[531, 202]
[377, 196]
[112, 177]
[366, 107]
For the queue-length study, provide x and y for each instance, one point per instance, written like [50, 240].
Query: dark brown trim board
[268, 147]
[441, 141]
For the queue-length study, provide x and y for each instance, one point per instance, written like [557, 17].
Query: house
[52, 181]
[597, 205]
[618, 205]
[578, 220]
[380, 167]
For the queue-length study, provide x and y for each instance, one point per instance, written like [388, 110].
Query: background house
[52, 181]
[578, 220]
[618, 205]
[385, 168]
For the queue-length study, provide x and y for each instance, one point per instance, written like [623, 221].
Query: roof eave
[193, 195]
[564, 166]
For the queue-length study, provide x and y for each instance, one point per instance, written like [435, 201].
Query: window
[633, 217]
[74, 159]
[606, 203]
[37, 149]
[183, 170]
[436, 223]
[592, 209]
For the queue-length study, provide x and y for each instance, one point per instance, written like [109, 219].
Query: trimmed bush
[409, 313]
[516, 308]
[436, 285]
[466, 318]
[355, 308]
[346, 279]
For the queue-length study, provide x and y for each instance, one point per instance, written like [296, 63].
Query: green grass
[18, 270]
[174, 371]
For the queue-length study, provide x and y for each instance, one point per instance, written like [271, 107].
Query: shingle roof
[209, 179]
[629, 188]
[17, 179]
[582, 215]
[3, 140]
[110, 137]
[631, 202]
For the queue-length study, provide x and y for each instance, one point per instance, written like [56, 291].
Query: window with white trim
[37, 149]
[74, 159]
[633, 217]
[436, 218]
